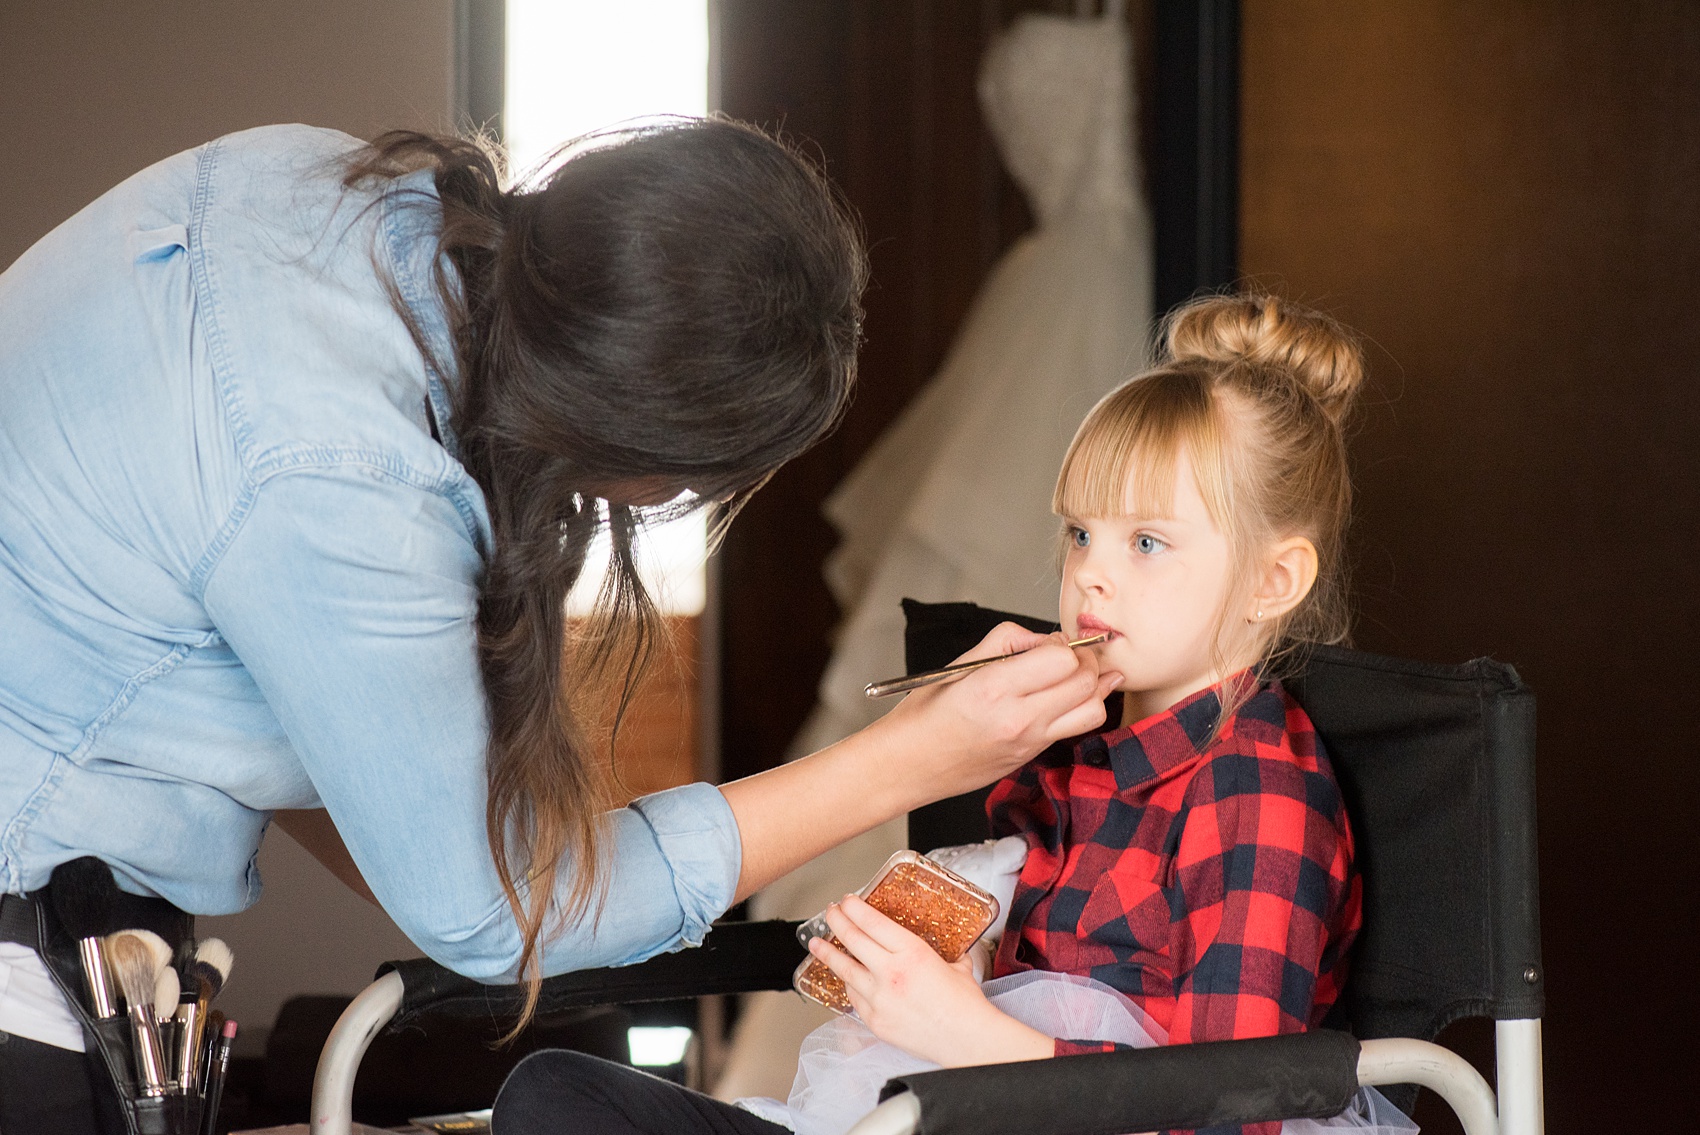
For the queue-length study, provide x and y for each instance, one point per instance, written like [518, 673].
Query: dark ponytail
[676, 306]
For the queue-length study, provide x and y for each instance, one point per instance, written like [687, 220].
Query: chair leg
[333, 1080]
[1522, 1110]
[1405, 1061]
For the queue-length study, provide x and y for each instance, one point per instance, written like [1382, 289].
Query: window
[573, 67]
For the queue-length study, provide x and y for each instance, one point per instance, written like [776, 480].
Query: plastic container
[939, 906]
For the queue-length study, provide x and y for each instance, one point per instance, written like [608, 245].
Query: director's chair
[1436, 764]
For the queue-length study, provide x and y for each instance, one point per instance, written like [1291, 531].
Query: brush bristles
[156, 946]
[166, 988]
[215, 954]
[213, 960]
[135, 964]
[83, 891]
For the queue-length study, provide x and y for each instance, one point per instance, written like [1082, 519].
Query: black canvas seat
[1436, 764]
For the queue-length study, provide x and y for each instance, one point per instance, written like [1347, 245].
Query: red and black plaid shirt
[1213, 886]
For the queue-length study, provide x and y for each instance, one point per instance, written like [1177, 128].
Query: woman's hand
[912, 998]
[938, 742]
[968, 733]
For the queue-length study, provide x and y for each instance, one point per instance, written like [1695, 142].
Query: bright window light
[574, 66]
[658, 1047]
[577, 65]
[670, 563]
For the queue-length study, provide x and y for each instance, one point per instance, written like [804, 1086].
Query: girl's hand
[912, 998]
[977, 729]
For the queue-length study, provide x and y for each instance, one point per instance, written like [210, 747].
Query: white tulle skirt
[843, 1066]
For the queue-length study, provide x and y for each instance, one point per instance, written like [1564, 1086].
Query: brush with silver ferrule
[203, 978]
[167, 987]
[137, 956]
[956, 670]
[83, 892]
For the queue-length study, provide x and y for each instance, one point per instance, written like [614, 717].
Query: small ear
[1288, 575]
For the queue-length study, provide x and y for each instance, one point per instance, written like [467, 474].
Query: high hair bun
[1316, 350]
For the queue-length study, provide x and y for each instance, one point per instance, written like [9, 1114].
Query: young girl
[1188, 872]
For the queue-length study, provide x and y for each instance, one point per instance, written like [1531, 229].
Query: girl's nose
[1090, 578]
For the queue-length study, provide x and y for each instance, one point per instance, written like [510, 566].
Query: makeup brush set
[147, 1006]
[180, 1046]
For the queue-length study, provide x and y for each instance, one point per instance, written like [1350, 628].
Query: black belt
[17, 921]
[127, 912]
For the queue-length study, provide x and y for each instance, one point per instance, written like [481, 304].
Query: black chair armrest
[735, 957]
[1308, 1075]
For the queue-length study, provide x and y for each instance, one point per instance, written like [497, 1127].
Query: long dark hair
[676, 306]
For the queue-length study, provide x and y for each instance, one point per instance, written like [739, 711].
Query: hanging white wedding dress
[953, 502]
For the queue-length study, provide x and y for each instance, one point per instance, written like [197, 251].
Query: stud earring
[1260, 616]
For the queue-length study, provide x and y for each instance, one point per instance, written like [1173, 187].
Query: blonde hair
[1254, 390]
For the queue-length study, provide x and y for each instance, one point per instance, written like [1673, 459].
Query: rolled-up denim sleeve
[350, 596]
[698, 838]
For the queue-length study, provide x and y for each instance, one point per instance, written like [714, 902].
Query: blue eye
[1079, 537]
[1148, 545]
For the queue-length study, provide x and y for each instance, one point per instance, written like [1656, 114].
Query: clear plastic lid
[935, 903]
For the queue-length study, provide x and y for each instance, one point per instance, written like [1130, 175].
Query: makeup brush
[136, 957]
[213, 1027]
[206, 975]
[166, 988]
[954, 671]
[83, 890]
[202, 981]
[184, 1043]
[218, 1067]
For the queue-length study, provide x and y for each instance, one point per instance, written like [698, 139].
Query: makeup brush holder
[168, 1115]
[113, 1038]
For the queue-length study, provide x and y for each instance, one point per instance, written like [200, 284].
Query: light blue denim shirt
[238, 574]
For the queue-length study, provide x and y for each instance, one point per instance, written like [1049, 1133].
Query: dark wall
[1503, 198]
[885, 90]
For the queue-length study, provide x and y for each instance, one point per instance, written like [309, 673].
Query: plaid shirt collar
[1156, 746]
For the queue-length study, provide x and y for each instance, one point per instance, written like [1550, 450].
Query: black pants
[49, 1091]
[556, 1092]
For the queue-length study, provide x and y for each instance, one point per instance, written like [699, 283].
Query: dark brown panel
[782, 64]
[1502, 198]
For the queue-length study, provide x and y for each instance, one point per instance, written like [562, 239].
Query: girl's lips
[1088, 626]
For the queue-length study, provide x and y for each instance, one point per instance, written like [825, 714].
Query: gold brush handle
[954, 671]
[185, 1060]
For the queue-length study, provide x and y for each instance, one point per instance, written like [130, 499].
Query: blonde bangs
[1125, 456]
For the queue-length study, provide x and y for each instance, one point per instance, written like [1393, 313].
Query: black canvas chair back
[1436, 764]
